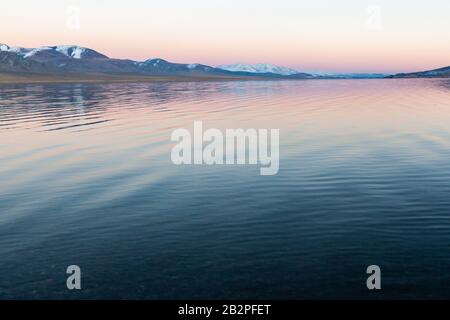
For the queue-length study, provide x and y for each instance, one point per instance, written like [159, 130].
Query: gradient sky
[319, 35]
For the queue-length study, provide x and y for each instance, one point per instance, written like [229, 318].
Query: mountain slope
[436, 73]
[258, 68]
[70, 51]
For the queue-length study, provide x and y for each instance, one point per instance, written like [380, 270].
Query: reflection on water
[364, 179]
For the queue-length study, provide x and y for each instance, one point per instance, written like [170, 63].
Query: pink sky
[352, 36]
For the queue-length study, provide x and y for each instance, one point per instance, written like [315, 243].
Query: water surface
[86, 179]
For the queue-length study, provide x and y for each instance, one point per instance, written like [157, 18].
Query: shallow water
[86, 179]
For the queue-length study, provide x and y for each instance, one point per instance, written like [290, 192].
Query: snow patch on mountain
[155, 62]
[4, 47]
[31, 52]
[71, 51]
[18, 50]
[74, 52]
[258, 68]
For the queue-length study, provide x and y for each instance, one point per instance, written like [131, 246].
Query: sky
[310, 36]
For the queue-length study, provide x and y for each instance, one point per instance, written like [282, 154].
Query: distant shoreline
[6, 78]
[13, 78]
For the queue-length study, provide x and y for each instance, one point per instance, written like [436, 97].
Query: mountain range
[436, 73]
[258, 68]
[75, 61]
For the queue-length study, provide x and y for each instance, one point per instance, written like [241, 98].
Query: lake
[86, 179]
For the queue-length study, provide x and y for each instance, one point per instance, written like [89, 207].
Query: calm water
[86, 178]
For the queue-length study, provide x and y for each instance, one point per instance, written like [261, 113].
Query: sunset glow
[324, 35]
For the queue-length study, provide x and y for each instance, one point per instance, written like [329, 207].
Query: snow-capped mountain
[80, 60]
[4, 47]
[258, 68]
[74, 52]
[17, 50]
[64, 60]
[161, 65]
[77, 52]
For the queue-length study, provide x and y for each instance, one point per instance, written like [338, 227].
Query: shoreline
[6, 78]
[10, 78]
